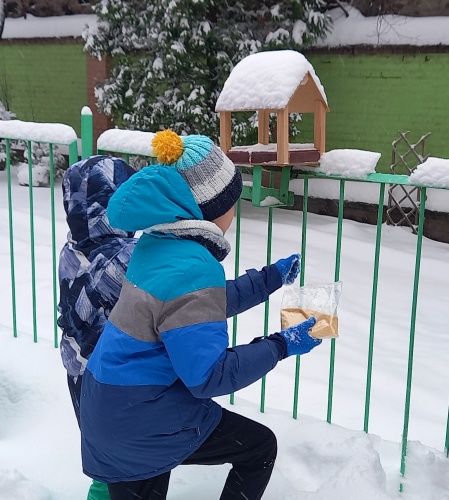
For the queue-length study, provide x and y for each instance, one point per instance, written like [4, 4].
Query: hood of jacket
[88, 186]
[157, 194]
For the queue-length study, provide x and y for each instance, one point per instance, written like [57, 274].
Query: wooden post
[263, 131]
[320, 127]
[225, 131]
[282, 136]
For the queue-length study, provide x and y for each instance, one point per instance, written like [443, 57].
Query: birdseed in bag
[318, 300]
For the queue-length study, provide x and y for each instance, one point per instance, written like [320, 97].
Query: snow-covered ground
[47, 27]
[353, 30]
[39, 438]
[384, 30]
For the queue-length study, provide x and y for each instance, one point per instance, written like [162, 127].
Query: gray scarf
[204, 232]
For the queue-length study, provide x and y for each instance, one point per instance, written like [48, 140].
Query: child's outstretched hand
[298, 339]
[289, 268]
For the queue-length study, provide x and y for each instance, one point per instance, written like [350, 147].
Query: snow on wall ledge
[433, 172]
[357, 164]
[384, 30]
[126, 141]
[54, 133]
[349, 162]
[346, 31]
[48, 27]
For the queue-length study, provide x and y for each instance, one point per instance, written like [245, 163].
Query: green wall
[372, 97]
[47, 82]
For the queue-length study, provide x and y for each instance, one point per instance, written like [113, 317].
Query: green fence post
[301, 282]
[87, 133]
[422, 207]
[73, 153]
[53, 246]
[236, 273]
[11, 239]
[380, 211]
[267, 303]
[257, 185]
[341, 205]
[33, 256]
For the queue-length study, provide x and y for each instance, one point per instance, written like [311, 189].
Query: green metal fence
[256, 192]
[28, 133]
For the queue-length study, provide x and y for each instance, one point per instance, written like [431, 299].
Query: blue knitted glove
[298, 339]
[289, 268]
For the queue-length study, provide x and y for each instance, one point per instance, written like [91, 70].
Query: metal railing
[255, 193]
[381, 180]
[29, 133]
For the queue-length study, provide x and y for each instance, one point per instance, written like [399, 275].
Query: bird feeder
[279, 82]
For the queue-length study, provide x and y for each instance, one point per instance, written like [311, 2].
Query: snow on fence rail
[52, 133]
[128, 142]
[139, 143]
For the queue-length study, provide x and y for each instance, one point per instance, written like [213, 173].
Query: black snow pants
[250, 447]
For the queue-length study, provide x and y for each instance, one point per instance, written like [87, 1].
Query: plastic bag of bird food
[319, 300]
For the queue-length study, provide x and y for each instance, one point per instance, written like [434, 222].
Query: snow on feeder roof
[268, 80]
[280, 82]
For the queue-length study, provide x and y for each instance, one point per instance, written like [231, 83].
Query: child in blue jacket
[93, 263]
[146, 402]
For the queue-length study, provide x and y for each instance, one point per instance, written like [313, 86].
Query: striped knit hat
[214, 180]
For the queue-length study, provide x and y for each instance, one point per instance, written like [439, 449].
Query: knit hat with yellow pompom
[214, 180]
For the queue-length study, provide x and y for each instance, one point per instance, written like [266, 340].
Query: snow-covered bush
[172, 57]
[2, 16]
[41, 165]
[4, 115]
[139, 162]
[40, 158]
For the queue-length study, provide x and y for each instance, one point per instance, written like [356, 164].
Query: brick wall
[97, 72]
[51, 82]
[373, 96]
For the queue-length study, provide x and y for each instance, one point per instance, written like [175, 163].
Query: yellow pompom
[167, 146]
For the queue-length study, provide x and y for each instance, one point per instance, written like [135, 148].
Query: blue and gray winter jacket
[146, 395]
[94, 260]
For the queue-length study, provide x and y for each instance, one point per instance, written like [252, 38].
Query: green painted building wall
[371, 97]
[46, 82]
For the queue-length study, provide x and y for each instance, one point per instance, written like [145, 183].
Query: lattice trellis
[403, 201]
